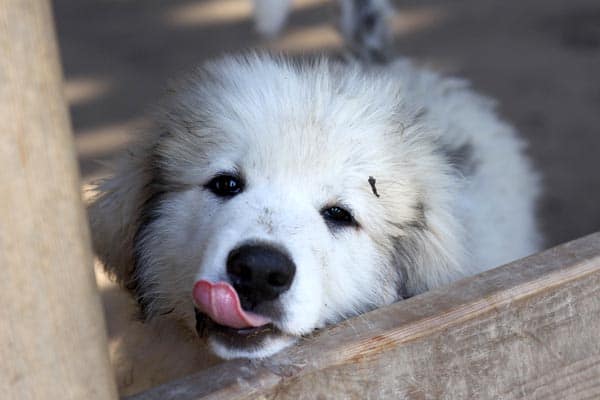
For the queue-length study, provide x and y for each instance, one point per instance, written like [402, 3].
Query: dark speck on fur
[372, 182]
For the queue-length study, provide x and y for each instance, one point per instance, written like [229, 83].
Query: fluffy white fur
[455, 193]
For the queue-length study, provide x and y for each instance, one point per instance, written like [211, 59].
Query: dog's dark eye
[225, 185]
[338, 216]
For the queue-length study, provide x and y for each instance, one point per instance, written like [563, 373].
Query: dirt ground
[539, 58]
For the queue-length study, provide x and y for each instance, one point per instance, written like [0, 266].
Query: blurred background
[539, 58]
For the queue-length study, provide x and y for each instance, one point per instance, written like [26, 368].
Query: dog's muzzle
[259, 274]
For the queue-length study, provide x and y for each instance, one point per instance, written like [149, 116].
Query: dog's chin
[258, 342]
[228, 343]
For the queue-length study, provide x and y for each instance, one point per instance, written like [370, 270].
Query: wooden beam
[530, 329]
[52, 334]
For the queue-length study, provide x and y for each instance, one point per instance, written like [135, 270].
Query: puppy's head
[275, 198]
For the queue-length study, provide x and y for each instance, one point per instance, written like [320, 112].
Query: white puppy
[275, 197]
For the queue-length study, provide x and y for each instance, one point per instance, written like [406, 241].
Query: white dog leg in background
[270, 15]
[365, 25]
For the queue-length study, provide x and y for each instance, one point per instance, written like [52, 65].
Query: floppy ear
[114, 213]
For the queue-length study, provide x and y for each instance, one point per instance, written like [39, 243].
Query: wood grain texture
[52, 334]
[527, 330]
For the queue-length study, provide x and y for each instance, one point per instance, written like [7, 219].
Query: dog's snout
[259, 272]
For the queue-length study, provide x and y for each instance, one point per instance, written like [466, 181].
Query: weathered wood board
[52, 333]
[527, 330]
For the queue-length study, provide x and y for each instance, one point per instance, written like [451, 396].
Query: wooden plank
[529, 329]
[52, 334]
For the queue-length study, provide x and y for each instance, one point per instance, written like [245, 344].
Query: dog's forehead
[267, 112]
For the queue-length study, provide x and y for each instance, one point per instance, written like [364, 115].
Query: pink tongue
[221, 303]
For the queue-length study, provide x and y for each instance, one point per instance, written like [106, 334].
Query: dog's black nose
[259, 272]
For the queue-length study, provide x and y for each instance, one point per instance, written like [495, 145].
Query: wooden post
[52, 333]
[527, 330]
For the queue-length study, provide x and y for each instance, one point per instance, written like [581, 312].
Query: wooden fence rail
[527, 330]
[52, 333]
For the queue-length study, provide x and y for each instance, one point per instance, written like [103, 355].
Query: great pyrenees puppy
[277, 196]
